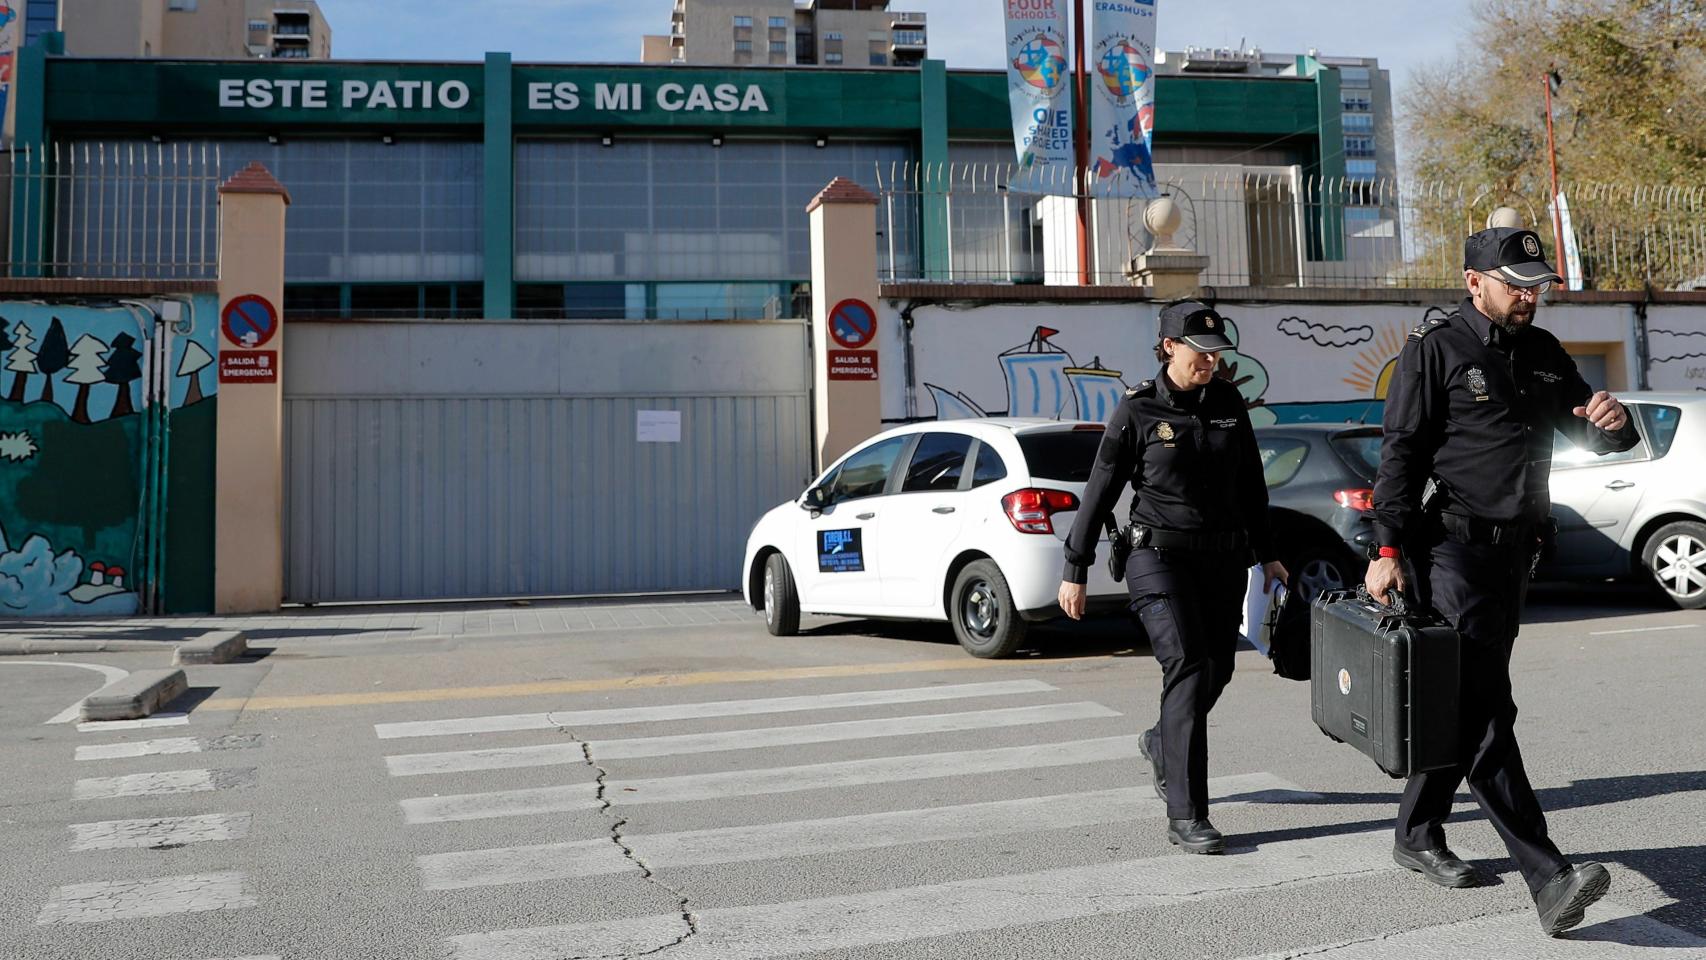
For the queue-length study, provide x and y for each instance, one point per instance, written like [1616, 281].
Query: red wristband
[1389, 553]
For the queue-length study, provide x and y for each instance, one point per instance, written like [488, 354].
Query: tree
[5, 341]
[22, 362]
[1629, 104]
[53, 356]
[85, 373]
[195, 359]
[123, 368]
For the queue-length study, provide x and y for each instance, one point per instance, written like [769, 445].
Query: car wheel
[1676, 557]
[781, 600]
[985, 620]
[1318, 570]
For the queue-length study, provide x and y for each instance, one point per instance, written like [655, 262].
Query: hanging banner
[1039, 94]
[11, 33]
[1122, 97]
[1572, 253]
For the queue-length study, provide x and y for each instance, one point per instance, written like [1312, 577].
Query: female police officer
[1184, 443]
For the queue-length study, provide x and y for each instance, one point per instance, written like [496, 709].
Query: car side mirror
[815, 499]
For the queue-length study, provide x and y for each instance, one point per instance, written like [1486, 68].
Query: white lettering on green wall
[263, 94]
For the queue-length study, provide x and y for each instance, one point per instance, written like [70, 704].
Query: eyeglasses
[1521, 293]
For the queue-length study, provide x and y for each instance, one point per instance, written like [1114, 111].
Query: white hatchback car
[960, 520]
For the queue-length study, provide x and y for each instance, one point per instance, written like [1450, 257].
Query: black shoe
[1196, 836]
[1153, 755]
[1567, 896]
[1441, 866]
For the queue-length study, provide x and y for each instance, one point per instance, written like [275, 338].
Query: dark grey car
[1321, 489]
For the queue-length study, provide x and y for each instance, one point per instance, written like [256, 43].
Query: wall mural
[1331, 364]
[1678, 356]
[72, 379]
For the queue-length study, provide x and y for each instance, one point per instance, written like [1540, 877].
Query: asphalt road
[866, 790]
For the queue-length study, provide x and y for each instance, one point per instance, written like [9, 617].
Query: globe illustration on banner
[1042, 63]
[1123, 70]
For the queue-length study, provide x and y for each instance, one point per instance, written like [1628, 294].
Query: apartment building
[831, 33]
[196, 29]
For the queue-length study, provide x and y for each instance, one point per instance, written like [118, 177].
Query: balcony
[905, 18]
[291, 30]
[909, 40]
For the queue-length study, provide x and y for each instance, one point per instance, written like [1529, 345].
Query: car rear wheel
[986, 622]
[1317, 570]
[1676, 557]
[781, 600]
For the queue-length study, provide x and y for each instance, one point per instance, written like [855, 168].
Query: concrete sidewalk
[496, 618]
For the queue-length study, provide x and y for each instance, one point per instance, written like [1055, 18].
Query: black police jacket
[1191, 458]
[1477, 406]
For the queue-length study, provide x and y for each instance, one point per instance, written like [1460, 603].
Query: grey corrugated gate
[422, 463]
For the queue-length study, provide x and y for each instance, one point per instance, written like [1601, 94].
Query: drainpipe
[1643, 352]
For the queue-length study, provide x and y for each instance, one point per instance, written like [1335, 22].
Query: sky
[965, 33]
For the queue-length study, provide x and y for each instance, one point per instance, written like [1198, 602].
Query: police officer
[1200, 509]
[1472, 407]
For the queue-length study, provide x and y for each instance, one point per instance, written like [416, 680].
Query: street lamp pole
[1552, 154]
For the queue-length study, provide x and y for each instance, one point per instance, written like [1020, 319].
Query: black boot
[1566, 897]
[1196, 836]
[1149, 744]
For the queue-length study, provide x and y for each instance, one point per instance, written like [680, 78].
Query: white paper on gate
[1256, 603]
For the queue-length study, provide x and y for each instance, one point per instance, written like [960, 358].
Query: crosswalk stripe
[157, 720]
[746, 783]
[416, 764]
[1618, 933]
[159, 831]
[956, 907]
[139, 748]
[161, 783]
[693, 711]
[586, 858]
[158, 897]
[168, 745]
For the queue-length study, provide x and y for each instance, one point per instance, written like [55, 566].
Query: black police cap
[1195, 325]
[1511, 254]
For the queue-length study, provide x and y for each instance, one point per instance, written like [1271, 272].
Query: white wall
[1302, 361]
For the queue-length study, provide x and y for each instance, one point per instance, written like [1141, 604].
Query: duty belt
[1203, 540]
[1476, 530]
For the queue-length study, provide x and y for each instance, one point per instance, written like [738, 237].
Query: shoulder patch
[1426, 327]
[1146, 386]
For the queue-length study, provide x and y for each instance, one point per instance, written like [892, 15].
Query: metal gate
[432, 497]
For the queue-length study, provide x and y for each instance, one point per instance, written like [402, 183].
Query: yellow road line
[368, 698]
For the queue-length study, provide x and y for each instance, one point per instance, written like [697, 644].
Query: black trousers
[1480, 589]
[1190, 603]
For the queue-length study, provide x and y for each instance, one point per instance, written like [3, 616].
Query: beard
[1517, 317]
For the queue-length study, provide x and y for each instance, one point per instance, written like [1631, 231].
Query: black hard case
[1384, 682]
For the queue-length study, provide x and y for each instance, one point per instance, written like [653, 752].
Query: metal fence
[111, 211]
[1269, 226]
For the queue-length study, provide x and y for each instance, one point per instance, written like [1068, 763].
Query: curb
[13, 647]
[221, 646]
[136, 696]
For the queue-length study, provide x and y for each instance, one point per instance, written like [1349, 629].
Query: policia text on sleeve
[1184, 443]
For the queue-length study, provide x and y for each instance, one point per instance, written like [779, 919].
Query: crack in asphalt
[617, 822]
[1331, 947]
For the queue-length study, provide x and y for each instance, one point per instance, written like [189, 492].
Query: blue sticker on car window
[840, 551]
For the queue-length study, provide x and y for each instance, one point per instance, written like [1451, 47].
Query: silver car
[1640, 510]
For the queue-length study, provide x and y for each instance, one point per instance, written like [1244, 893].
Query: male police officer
[1470, 414]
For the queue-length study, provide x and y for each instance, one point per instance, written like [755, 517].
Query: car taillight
[1359, 499]
[1030, 509]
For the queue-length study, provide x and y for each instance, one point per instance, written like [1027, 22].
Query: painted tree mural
[85, 373]
[54, 356]
[196, 359]
[5, 341]
[22, 361]
[124, 367]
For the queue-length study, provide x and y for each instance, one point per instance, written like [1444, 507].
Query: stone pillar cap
[842, 190]
[255, 178]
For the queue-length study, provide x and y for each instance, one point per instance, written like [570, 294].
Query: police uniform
[1200, 509]
[1472, 407]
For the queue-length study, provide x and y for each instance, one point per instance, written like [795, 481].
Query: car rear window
[1061, 454]
[1360, 451]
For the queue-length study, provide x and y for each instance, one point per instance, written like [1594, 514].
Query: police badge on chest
[1164, 430]
[1477, 383]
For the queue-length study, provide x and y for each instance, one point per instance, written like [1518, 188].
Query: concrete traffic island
[136, 696]
[220, 646]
